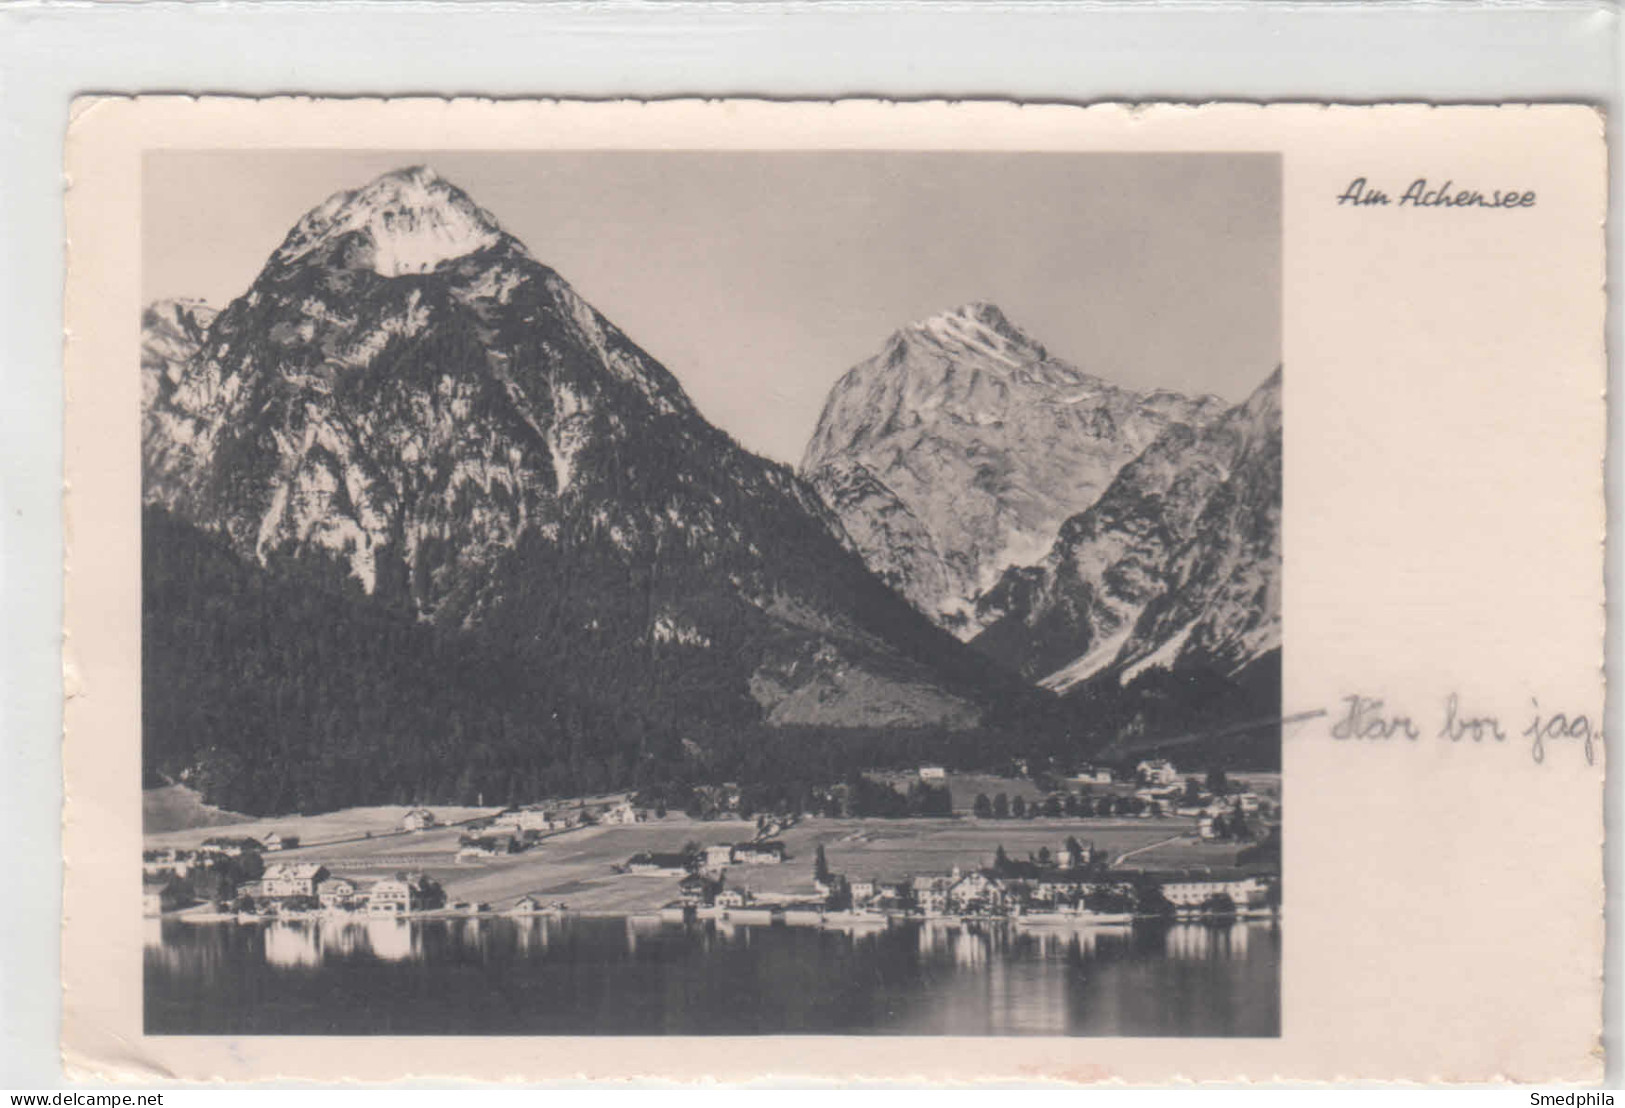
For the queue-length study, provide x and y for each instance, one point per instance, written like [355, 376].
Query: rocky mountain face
[406, 400]
[172, 331]
[1177, 565]
[959, 450]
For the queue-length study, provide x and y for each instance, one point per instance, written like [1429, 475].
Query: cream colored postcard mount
[735, 590]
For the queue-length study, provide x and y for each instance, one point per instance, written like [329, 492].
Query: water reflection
[292, 945]
[530, 936]
[394, 940]
[575, 975]
[975, 944]
[641, 926]
[344, 939]
[971, 950]
[1194, 942]
[470, 934]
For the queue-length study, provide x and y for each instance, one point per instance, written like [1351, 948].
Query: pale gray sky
[759, 278]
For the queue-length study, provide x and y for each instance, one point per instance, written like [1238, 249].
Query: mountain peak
[985, 312]
[978, 325]
[410, 220]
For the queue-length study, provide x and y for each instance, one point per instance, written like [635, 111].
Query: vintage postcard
[732, 590]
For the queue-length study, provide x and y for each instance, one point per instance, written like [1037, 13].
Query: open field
[964, 788]
[575, 866]
[896, 848]
[176, 807]
[1186, 853]
[572, 866]
[347, 823]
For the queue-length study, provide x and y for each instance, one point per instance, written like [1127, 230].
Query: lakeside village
[1075, 881]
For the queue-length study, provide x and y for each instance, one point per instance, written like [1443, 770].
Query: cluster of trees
[1232, 826]
[1042, 860]
[863, 796]
[217, 878]
[1241, 712]
[289, 691]
[1266, 850]
[1072, 805]
[855, 796]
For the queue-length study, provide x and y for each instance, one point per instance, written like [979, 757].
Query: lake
[632, 976]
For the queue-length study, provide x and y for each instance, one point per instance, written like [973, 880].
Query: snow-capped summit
[961, 447]
[407, 221]
[978, 327]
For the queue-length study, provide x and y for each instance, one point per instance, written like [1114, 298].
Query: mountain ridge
[960, 448]
[1177, 565]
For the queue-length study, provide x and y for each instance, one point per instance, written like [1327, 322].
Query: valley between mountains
[422, 526]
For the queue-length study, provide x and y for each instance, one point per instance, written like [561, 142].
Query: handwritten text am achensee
[1420, 194]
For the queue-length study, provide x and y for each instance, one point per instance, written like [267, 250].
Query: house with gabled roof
[418, 819]
[337, 893]
[292, 879]
[765, 852]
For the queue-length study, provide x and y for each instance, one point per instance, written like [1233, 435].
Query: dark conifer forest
[287, 688]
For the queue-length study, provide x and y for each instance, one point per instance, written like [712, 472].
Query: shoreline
[756, 915]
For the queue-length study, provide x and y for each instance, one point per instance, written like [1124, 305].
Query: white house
[166, 862]
[931, 892]
[933, 773]
[976, 890]
[418, 819]
[1091, 775]
[336, 892]
[292, 878]
[1157, 771]
[1191, 890]
[389, 897]
[395, 895]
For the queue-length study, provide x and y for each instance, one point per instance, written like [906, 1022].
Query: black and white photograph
[711, 593]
